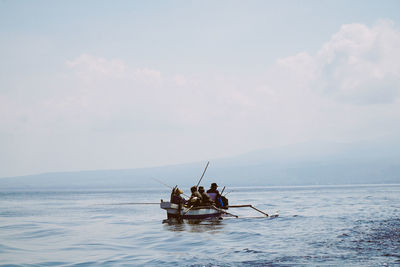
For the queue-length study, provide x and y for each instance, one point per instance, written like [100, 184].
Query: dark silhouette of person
[195, 198]
[176, 197]
[206, 199]
[215, 195]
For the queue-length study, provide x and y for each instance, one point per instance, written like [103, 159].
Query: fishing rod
[203, 174]
[228, 192]
[222, 190]
[135, 203]
[170, 187]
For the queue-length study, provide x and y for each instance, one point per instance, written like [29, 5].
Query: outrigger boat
[188, 211]
[191, 213]
[174, 211]
[182, 212]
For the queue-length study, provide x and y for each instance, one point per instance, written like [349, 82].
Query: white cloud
[90, 65]
[348, 90]
[179, 79]
[359, 65]
[363, 76]
[355, 67]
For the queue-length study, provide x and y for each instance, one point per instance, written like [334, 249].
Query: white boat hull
[194, 213]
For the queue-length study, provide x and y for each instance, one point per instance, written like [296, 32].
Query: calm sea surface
[325, 225]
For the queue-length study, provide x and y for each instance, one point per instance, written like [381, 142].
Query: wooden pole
[186, 211]
[203, 174]
[259, 211]
[239, 206]
[248, 206]
[222, 190]
[223, 211]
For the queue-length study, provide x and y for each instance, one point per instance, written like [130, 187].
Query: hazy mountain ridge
[302, 164]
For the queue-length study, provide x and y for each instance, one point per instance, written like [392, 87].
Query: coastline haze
[303, 164]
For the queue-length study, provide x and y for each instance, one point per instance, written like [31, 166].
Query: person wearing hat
[213, 189]
[214, 194]
[176, 197]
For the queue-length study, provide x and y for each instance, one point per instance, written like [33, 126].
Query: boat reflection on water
[194, 226]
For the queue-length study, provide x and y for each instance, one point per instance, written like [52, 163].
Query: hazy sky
[126, 84]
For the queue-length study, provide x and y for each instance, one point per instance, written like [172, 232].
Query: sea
[349, 225]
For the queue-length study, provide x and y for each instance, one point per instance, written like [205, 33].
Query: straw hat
[178, 191]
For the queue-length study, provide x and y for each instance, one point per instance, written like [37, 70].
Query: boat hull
[194, 213]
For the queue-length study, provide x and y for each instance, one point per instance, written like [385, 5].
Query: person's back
[215, 195]
[195, 198]
[213, 192]
[206, 200]
[176, 197]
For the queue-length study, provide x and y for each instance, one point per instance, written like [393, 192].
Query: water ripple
[336, 226]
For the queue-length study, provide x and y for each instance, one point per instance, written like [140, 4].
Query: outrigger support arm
[248, 206]
[223, 211]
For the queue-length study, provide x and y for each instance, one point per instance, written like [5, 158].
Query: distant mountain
[303, 164]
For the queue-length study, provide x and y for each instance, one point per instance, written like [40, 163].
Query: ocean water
[356, 225]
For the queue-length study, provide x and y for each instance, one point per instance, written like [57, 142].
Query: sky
[88, 85]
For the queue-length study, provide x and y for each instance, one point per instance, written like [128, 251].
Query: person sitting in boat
[215, 195]
[176, 197]
[206, 200]
[195, 199]
[213, 191]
